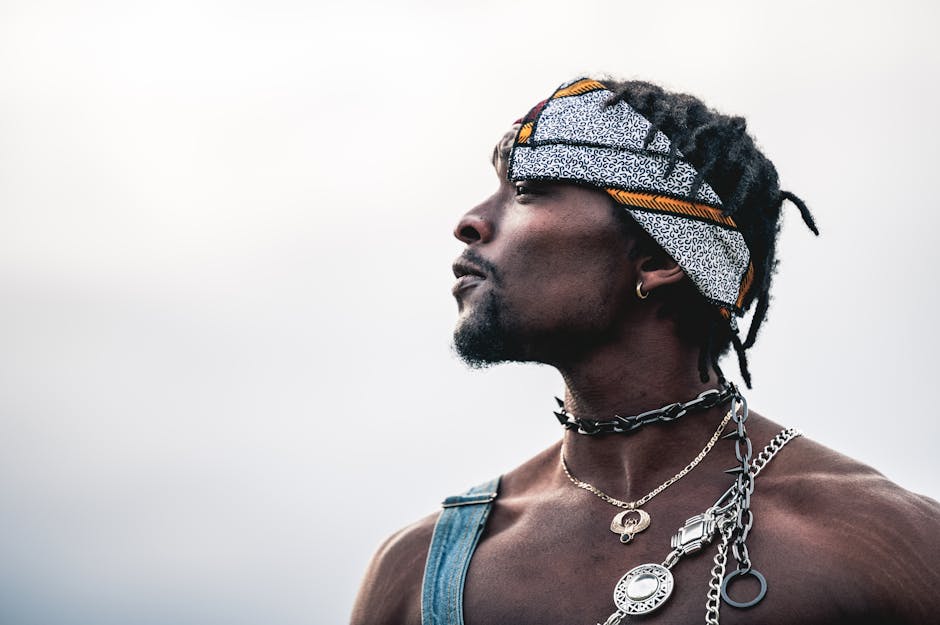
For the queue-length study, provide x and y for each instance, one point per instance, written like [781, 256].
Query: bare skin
[837, 541]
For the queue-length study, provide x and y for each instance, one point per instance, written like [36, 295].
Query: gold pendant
[628, 528]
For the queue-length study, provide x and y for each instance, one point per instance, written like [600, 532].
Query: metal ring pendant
[743, 604]
[643, 589]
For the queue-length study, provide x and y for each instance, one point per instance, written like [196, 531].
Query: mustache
[472, 258]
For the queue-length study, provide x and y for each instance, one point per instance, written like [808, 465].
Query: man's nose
[474, 227]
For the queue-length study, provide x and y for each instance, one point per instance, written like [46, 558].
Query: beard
[484, 338]
[490, 334]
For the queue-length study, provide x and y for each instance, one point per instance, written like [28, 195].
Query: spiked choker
[626, 425]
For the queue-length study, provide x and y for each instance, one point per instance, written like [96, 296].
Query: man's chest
[543, 570]
[534, 580]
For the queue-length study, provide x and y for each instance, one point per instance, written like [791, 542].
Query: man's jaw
[479, 338]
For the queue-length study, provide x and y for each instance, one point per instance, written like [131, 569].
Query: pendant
[643, 589]
[628, 528]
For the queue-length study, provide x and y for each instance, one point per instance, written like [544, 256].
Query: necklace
[628, 528]
[625, 425]
[645, 588]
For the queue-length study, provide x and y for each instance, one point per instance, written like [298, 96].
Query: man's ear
[657, 271]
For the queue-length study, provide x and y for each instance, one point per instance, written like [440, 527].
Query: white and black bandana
[575, 136]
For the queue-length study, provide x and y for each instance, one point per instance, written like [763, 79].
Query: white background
[225, 267]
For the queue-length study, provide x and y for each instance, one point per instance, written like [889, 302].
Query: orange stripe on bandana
[669, 205]
[524, 133]
[582, 86]
[745, 285]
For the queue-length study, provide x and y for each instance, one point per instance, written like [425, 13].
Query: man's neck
[644, 372]
[641, 369]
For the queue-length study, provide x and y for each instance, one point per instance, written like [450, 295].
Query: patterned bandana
[574, 137]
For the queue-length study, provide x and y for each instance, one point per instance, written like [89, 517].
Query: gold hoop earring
[639, 290]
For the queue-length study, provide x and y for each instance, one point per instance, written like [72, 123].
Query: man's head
[594, 184]
[556, 269]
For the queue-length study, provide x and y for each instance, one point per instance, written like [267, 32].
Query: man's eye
[523, 188]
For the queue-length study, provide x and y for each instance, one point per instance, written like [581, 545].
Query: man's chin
[483, 339]
[480, 338]
[476, 349]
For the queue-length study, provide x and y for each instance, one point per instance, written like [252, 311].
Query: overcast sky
[225, 247]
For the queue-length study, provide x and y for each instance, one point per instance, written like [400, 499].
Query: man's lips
[463, 267]
[465, 282]
[468, 275]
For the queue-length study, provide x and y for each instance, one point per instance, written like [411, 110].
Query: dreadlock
[725, 154]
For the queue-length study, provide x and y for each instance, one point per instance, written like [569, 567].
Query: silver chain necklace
[645, 588]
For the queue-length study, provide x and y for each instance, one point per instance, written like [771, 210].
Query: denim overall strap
[455, 537]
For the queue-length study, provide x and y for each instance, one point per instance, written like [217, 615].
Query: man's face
[545, 275]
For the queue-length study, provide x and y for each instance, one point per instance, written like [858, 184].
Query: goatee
[482, 339]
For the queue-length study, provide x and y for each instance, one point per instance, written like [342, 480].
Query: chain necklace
[628, 528]
[645, 588]
[626, 425]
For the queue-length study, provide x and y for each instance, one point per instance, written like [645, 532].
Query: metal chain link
[625, 425]
[772, 448]
[713, 597]
[614, 619]
[745, 520]
[744, 484]
[736, 512]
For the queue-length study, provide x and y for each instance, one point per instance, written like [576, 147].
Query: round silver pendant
[643, 589]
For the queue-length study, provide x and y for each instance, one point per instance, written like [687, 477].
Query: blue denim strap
[455, 537]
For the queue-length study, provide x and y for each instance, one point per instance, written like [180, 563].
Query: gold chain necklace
[628, 528]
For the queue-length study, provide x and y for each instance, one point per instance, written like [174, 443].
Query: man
[630, 228]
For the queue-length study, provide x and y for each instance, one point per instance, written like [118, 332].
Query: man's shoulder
[814, 480]
[391, 588]
[861, 532]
